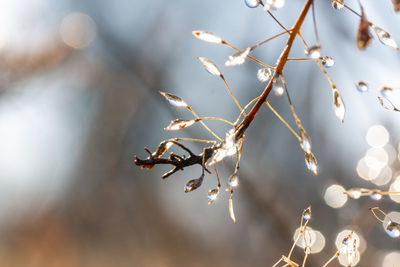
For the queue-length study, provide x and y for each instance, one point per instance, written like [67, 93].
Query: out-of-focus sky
[79, 84]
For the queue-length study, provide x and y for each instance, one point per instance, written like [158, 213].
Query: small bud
[364, 37]
[207, 37]
[210, 66]
[384, 37]
[338, 105]
[174, 100]
[238, 58]
[179, 124]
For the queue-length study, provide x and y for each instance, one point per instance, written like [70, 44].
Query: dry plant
[219, 148]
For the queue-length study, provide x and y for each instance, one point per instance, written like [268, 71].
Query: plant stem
[278, 71]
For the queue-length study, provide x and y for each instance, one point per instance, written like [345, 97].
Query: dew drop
[327, 61]
[193, 184]
[313, 52]
[311, 163]
[212, 195]
[307, 214]
[384, 37]
[354, 193]
[393, 229]
[386, 91]
[238, 58]
[274, 4]
[207, 37]
[210, 66]
[279, 90]
[179, 124]
[338, 105]
[252, 3]
[305, 141]
[162, 148]
[174, 100]
[264, 75]
[307, 250]
[337, 4]
[233, 181]
[361, 86]
[376, 196]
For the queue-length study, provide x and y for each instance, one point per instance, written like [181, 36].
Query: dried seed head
[193, 184]
[311, 163]
[174, 100]
[313, 52]
[210, 66]
[264, 75]
[238, 58]
[327, 61]
[207, 37]
[364, 37]
[252, 3]
[386, 103]
[338, 105]
[179, 124]
[361, 86]
[337, 4]
[384, 37]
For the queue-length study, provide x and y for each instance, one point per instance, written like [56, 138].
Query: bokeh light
[392, 259]
[377, 136]
[77, 30]
[335, 196]
[395, 187]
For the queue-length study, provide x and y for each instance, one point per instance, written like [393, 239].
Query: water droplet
[238, 58]
[338, 105]
[386, 91]
[337, 4]
[364, 37]
[354, 193]
[307, 214]
[233, 181]
[212, 195]
[228, 148]
[193, 184]
[279, 90]
[313, 52]
[264, 75]
[393, 229]
[327, 61]
[274, 4]
[311, 163]
[210, 66]
[384, 37]
[174, 100]
[376, 196]
[345, 240]
[179, 124]
[361, 86]
[307, 250]
[207, 36]
[252, 3]
[305, 140]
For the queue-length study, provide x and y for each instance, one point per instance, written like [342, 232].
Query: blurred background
[79, 84]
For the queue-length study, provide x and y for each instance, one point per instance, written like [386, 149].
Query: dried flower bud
[364, 37]
[207, 37]
[179, 124]
[387, 104]
[238, 58]
[338, 105]
[210, 66]
[162, 148]
[174, 100]
[384, 37]
[311, 163]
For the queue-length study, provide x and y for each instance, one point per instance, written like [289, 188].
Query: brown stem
[279, 68]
